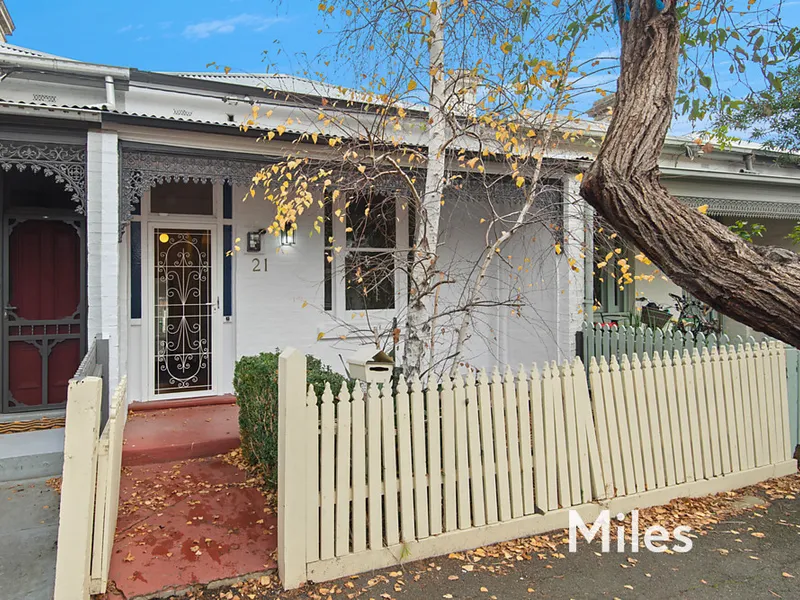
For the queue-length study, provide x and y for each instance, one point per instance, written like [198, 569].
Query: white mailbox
[370, 364]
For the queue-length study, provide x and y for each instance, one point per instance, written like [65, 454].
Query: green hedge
[255, 381]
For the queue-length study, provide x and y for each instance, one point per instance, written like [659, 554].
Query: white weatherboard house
[121, 195]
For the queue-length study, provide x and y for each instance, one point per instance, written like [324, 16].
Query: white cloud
[206, 29]
[128, 28]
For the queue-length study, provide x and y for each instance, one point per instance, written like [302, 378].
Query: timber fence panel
[462, 454]
[76, 513]
[640, 399]
[404, 458]
[665, 429]
[674, 420]
[612, 430]
[601, 428]
[684, 426]
[564, 489]
[573, 458]
[487, 446]
[449, 454]
[434, 458]
[390, 505]
[312, 423]
[730, 408]
[512, 436]
[687, 372]
[471, 461]
[583, 413]
[540, 485]
[109, 466]
[374, 473]
[420, 459]
[696, 368]
[525, 442]
[784, 403]
[475, 459]
[654, 423]
[769, 398]
[747, 410]
[343, 462]
[327, 451]
[722, 416]
[359, 454]
[500, 447]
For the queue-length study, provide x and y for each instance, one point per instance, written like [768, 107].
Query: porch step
[31, 455]
[172, 434]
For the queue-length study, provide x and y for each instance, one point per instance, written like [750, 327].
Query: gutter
[740, 177]
[64, 67]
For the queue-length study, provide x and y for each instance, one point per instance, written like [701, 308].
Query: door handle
[8, 308]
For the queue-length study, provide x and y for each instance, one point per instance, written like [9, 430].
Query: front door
[184, 304]
[43, 316]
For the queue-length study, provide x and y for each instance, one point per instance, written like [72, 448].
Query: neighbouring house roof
[224, 100]
[20, 51]
[6, 24]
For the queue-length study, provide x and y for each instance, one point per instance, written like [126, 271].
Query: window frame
[338, 307]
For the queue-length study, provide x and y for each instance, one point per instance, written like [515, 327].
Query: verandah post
[292, 468]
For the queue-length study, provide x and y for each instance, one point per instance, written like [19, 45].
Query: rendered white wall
[269, 309]
[102, 227]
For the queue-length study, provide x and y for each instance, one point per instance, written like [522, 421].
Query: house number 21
[257, 265]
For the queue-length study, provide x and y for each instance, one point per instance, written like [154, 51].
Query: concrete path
[28, 534]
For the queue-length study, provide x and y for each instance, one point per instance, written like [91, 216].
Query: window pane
[182, 198]
[372, 220]
[369, 281]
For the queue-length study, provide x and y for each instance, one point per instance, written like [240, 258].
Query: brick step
[198, 430]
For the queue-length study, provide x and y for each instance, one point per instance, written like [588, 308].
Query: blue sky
[170, 35]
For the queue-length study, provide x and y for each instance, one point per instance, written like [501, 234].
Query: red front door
[42, 316]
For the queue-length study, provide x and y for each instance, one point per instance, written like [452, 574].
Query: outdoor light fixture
[287, 234]
[254, 240]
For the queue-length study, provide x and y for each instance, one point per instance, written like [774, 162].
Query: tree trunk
[758, 286]
[426, 235]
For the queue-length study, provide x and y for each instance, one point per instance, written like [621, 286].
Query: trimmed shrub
[255, 381]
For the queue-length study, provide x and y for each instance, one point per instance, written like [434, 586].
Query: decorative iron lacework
[724, 207]
[64, 162]
[143, 170]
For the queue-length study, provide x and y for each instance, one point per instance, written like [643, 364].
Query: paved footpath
[28, 534]
[750, 556]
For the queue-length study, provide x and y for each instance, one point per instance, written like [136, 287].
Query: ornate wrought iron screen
[183, 310]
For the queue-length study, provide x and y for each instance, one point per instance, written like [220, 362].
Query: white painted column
[102, 243]
[571, 282]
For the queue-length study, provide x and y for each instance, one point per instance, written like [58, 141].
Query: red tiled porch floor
[153, 436]
[190, 520]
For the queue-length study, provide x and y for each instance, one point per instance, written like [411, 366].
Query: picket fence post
[292, 468]
[76, 516]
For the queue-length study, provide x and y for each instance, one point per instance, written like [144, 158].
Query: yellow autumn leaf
[305, 303]
[520, 181]
[579, 177]
[270, 135]
[320, 335]
[558, 248]
[702, 209]
[412, 85]
[314, 137]
[280, 129]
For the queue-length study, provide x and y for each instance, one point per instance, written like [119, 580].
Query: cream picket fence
[90, 488]
[368, 479]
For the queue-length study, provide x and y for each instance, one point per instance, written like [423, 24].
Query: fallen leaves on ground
[699, 514]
